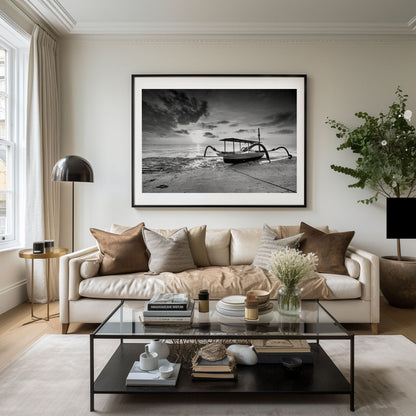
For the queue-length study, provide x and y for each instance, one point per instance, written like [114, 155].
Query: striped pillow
[269, 243]
[168, 254]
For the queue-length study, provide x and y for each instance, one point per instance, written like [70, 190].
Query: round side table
[52, 254]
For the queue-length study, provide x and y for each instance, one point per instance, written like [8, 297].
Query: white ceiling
[228, 17]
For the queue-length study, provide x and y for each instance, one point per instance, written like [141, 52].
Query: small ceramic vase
[159, 347]
[244, 354]
[148, 360]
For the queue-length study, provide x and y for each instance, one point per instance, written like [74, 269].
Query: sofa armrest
[369, 278]
[69, 278]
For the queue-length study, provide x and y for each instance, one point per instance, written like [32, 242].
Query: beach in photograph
[211, 175]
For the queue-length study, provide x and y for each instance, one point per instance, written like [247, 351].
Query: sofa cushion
[220, 282]
[218, 247]
[269, 243]
[343, 287]
[89, 268]
[353, 267]
[243, 245]
[121, 253]
[168, 254]
[330, 248]
[196, 236]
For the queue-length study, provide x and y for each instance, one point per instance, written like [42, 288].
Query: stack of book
[214, 370]
[139, 377]
[168, 309]
[271, 351]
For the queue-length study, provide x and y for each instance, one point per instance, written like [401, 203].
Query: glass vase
[289, 300]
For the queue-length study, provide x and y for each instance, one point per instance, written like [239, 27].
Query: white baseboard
[13, 295]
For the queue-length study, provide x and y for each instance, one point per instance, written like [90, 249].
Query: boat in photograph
[244, 150]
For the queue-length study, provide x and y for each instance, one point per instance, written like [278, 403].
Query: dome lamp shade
[72, 169]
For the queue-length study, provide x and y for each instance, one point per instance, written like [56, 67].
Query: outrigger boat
[247, 150]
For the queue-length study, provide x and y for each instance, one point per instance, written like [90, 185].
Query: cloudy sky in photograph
[205, 116]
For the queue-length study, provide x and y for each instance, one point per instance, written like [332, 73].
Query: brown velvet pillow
[330, 248]
[122, 253]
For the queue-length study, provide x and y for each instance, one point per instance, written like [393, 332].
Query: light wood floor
[15, 337]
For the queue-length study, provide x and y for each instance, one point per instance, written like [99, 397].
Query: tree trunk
[399, 250]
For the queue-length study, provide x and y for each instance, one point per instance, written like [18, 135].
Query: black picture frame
[174, 117]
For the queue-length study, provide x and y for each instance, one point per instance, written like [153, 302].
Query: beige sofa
[354, 297]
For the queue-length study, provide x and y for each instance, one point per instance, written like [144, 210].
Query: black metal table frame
[347, 336]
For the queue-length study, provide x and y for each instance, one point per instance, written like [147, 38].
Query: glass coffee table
[315, 323]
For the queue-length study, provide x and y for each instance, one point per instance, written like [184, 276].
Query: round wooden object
[55, 252]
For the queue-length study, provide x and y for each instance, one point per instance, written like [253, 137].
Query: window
[6, 154]
[13, 72]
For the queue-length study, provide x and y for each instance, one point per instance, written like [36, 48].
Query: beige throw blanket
[237, 280]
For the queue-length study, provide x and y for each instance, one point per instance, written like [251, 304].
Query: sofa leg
[65, 328]
[374, 328]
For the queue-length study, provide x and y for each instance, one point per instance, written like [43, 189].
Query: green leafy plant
[386, 146]
[386, 149]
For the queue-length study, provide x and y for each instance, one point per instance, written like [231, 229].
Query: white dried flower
[407, 115]
[384, 143]
[292, 266]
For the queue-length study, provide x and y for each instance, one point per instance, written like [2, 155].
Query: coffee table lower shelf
[323, 377]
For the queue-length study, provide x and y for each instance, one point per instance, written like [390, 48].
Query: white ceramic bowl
[166, 371]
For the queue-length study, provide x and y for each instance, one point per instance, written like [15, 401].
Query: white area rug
[52, 378]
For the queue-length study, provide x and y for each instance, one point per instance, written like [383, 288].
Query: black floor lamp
[72, 169]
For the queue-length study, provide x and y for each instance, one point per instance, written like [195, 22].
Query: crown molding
[237, 29]
[19, 36]
[48, 11]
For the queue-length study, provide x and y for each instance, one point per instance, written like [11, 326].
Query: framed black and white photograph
[219, 140]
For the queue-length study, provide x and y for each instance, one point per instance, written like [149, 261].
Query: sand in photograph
[212, 175]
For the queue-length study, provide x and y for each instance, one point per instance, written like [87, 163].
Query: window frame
[17, 50]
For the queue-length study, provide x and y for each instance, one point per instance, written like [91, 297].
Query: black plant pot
[398, 281]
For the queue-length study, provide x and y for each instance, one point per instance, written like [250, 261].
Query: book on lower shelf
[224, 369]
[138, 377]
[199, 375]
[169, 301]
[219, 366]
[281, 346]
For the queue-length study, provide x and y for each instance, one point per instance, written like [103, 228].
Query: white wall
[12, 280]
[344, 76]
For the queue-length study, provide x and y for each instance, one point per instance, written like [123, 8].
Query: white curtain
[42, 208]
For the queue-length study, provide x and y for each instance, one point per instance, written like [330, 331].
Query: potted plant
[386, 164]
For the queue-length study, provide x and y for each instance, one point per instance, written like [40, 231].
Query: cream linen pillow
[89, 268]
[218, 247]
[269, 243]
[243, 245]
[168, 254]
[353, 267]
[196, 236]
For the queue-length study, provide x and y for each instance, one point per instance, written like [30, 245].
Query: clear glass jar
[289, 300]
